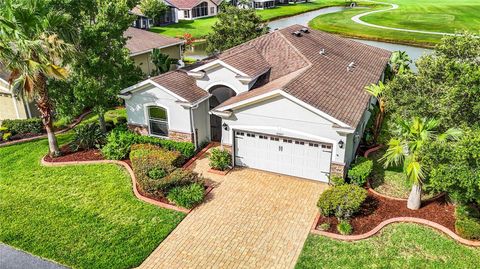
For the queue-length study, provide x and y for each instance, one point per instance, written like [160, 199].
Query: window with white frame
[158, 121]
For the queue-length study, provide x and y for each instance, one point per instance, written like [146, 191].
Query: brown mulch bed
[377, 209]
[70, 156]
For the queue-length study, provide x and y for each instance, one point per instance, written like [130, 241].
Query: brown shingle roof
[249, 61]
[143, 41]
[181, 84]
[188, 4]
[325, 84]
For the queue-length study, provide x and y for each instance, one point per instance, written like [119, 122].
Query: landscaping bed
[68, 155]
[376, 209]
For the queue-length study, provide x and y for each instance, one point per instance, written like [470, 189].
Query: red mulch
[377, 209]
[83, 155]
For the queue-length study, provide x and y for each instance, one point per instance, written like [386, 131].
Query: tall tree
[31, 47]
[153, 9]
[103, 66]
[405, 148]
[234, 27]
[399, 63]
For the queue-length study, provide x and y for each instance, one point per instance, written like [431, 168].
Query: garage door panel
[283, 155]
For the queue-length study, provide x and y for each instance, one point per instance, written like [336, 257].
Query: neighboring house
[143, 22]
[193, 9]
[13, 107]
[291, 101]
[141, 43]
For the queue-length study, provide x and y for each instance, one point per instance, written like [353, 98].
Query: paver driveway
[253, 219]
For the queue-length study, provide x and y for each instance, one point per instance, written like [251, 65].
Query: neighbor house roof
[142, 41]
[137, 11]
[188, 4]
[326, 82]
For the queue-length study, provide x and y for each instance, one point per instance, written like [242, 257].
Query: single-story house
[141, 43]
[11, 106]
[291, 101]
[194, 9]
[143, 22]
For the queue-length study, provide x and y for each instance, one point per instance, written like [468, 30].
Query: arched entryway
[220, 94]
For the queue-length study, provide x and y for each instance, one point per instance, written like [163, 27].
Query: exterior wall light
[340, 144]
[225, 126]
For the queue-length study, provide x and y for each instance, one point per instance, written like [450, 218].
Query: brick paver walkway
[252, 219]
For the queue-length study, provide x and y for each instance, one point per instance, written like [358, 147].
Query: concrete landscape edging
[391, 221]
[68, 128]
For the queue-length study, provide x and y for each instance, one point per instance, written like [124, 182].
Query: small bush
[179, 177]
[109, 125]
[87, 136]
[157, 173]
[324, 226]
[33, 125]
[120, 140]
[341, 201]
[6, 136]
[337, 181]
[360, 171]
[121, 120]
[467, 223]
[187, 196]
[344, 227]
[220, 159]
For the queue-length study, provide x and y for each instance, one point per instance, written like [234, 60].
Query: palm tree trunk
[45, 108]
[101, 120]
[415, 197]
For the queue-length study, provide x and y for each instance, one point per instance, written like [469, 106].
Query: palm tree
[162, 62]
[405, 148]
[399, 62]
[378, 91]
[33, 52]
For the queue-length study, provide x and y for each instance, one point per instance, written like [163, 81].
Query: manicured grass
[428, 15]
[80, 216]
[199, 28]
[397, 246]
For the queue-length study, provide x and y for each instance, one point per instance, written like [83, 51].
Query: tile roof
[295, 65]
[325, 83]
[143, 41]
[188, 4]
[136, 10]
[181, 84]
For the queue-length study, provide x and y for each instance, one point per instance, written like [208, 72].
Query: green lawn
[397, 246]
[429, 15]
[199, 28]
[80, 216]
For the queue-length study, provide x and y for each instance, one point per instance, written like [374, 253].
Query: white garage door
[283, 155]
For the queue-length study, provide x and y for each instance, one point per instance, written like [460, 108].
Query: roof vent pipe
[297, 33]
[305, 30]
[322, 52]
[351, 66]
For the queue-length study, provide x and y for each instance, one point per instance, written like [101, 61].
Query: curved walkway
[396, 220]
[357, 19]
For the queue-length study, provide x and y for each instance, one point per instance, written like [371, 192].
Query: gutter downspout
[192, 124]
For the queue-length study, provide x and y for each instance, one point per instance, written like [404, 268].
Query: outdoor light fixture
[340, 144]
[225, 126]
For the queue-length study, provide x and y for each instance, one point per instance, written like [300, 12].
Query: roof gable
[141, 41]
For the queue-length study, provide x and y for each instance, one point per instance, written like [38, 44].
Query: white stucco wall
[280, 116]
[353, 140]
[178, 117]
[180, 12]
[220, 75]
[201, 121]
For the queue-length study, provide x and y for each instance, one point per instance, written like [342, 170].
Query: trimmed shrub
[467, 223]
[121, 120]
[360, 171]
[324, 226]
[3, 131]
[337, 181]
[157, 173]
[187, 196]
[120, 140]
[220, 159]
[87, 136]
[33, 126]
[344, 227]
[341, 201]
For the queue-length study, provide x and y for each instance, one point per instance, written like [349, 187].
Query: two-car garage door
[295, 157]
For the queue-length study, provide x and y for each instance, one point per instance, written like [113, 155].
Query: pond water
[198, 50]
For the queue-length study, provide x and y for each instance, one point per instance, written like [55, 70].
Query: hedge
[342, 201]
[467, 223]
[24, 126]
[119, 142]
